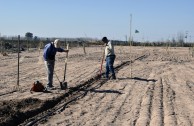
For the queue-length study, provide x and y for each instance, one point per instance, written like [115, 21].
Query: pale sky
[154, 19]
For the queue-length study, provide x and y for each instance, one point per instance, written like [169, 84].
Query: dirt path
[161, 91]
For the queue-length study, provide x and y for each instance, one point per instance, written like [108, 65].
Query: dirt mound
[13, 112]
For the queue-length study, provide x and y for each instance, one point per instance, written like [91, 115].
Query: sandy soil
[160, 91]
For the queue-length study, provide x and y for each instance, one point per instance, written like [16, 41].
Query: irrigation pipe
[60, 108]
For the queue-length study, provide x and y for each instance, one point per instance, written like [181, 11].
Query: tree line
[30, 41]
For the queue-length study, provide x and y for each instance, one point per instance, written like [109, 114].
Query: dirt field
[160, 91]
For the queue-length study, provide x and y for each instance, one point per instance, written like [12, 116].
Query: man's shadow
[139, 79]
[142, 79]
[102, 91]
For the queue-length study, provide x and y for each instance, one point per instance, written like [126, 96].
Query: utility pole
[18, 59]
[1, 45]
[126, 38]
[130, 29]
[130, 39]
[186, 36]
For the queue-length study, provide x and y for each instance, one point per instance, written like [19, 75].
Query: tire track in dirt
[153, 113]
[157, 116]
[184, 97]
[150, 105]
[162, 109]
[169, 96]
[175, 77]
[145, 111]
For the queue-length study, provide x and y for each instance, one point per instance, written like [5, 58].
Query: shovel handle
[67, 46]
[66, 62]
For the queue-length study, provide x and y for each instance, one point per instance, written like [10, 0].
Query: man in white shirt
[109, 58]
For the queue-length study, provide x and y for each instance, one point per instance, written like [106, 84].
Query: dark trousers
[109, 65]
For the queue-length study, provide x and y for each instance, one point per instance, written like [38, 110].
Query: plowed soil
[156, 89]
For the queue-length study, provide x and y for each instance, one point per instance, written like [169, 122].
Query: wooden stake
[27, 44]
[1, 45]
[192, 51]
[66, 62]
[84, 48]
[18, 58]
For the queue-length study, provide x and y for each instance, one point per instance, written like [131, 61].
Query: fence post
[1, 45]
[84, 48]
[18, 58]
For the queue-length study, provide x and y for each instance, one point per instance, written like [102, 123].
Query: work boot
[49, 88]
[104, 77]
[113, 77]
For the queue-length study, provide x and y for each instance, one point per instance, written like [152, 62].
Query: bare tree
[180, 38]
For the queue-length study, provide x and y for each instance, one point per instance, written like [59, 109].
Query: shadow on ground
[139, 79]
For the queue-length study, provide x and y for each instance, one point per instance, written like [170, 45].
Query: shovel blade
[63, 85]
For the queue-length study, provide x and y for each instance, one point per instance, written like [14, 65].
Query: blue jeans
[109, 65]
[50, 69]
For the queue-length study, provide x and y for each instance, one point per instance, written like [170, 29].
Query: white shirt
[109, 49]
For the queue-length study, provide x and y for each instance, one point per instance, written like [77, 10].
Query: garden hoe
[64, 83]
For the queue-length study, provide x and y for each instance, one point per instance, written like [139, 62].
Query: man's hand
[66, 50]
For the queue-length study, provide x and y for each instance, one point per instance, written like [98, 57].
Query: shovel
[58, 78]
[64, 83]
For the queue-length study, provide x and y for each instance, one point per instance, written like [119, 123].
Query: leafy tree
[29, 35]
[36, 38]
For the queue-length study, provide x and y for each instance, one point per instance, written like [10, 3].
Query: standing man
[109, 58]
[50, 51]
